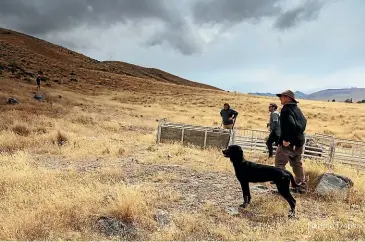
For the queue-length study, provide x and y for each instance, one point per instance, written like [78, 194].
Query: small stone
[163, 218]
[232, 211]
[169, 156]
[38, 96]
[12, 101]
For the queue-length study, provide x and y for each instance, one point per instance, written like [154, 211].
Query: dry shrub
[85, 120]
[106, 151]
[192, 227]
[22, 130]
[10, 142]
[130, 206]
[6, 120]
[110, 175]
[121, 151]
[40, 130]
[60, 138]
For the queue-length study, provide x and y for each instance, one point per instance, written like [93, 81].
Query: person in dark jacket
[39, 79]
[274, 125]
[228, 116]
[291, 141]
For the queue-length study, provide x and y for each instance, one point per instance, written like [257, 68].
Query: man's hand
[230, 118]
[285, 143]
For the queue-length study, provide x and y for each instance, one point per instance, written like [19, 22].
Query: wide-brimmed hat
[289, 94]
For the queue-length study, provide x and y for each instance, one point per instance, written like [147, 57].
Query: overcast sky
[237, 45]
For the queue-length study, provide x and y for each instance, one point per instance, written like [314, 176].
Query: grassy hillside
[25, 55]
[109, 165]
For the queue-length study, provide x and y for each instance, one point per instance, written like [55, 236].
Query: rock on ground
[38, 96]
[163, 218]
[333, 184]
[111, 226]
[12, 101]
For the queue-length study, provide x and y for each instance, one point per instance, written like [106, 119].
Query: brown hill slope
[24, 56]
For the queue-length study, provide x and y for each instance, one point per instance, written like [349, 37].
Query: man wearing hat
[291, 141]
[274, 125]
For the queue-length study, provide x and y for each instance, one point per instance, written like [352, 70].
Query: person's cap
[288, 93]
[273, 105]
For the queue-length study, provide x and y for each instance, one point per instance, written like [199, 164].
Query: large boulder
[332, 184]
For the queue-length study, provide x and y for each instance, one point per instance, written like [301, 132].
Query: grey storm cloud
[180, 23]
[230, 12]
[234, 11]
[43, 16]
[307, 11]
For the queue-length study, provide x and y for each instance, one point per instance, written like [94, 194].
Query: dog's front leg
[246, 193]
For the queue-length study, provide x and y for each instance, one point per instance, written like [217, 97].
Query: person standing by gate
[274, 125]
[228, 116]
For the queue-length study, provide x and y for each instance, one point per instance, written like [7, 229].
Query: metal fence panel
[318, 146]
[349, 152]
[199, 136]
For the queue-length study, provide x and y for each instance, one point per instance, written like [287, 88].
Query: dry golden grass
[109, 165]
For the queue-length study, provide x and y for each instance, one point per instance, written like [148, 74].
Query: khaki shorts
[227, 126]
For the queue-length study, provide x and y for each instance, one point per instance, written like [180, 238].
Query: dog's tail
[292, 180]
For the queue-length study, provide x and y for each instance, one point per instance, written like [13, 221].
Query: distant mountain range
[357, 94]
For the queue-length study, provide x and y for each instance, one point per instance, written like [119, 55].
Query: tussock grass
[21, 129]
[42, 204]
[56, 192]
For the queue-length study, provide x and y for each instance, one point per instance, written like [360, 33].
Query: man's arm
[234, 114]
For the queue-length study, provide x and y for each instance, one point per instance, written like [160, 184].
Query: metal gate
[350, 152]
[316, 146]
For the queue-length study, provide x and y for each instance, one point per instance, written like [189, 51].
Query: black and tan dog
[247, 172]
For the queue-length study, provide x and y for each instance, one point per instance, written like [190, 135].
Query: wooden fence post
[158, 134]
[182, 135]
[205, 138]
